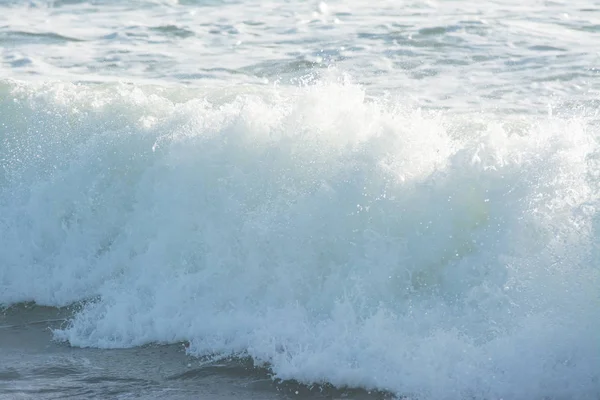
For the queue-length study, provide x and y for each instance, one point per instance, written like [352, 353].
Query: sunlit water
[400, 198]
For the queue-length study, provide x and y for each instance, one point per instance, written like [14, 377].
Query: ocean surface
[292, 199]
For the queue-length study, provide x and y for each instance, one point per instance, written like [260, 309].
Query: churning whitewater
[330, 236]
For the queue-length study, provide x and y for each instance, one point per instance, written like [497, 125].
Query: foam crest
[332, 237]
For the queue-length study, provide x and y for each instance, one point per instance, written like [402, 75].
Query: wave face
[333, 237]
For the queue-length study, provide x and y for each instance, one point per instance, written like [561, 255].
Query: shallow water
[401, 200]
[34, 366]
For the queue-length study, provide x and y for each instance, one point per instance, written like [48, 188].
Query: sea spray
[331, 237]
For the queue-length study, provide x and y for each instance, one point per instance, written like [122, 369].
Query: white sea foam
[336, 238]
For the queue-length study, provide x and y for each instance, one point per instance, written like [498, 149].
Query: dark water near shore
[34, 366]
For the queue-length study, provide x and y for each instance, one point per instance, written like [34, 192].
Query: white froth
[334, 238]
